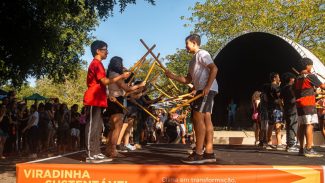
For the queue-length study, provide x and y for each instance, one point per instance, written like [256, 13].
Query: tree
[47, 38]
[70, 92]
[302, 21]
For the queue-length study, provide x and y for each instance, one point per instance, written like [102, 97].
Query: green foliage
[47, 38]
[70, 92]
[302, 21]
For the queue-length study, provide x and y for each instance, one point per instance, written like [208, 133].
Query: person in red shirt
[95, 99]
[306, 107]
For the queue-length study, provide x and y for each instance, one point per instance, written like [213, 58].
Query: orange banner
[122, 173]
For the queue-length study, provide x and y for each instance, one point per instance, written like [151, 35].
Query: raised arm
[181, 79]
[107, 81]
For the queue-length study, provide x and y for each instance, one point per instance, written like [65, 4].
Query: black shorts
[114, 108]
[132, 111]
[204, 104]
[321, 117]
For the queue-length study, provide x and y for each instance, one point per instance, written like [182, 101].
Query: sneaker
[209, 158]
[104, 158]
[301, 152]
[311, 153]
[280, 148]
[194, 159]
[130, 147]
[121, 148]
[262, 145]
[292, 149]
[94, 159]
[270, 147]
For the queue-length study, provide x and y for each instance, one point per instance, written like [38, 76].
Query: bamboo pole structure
[186, 103]
[153, 55]
[171, 81]
[179, 97]
[153, 79]
[161, 91]
[151, 69]
[145, 110]
[143, 57]
[140, 63]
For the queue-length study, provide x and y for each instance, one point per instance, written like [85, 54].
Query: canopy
[35, 96]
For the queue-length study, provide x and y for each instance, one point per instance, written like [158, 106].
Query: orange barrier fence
[122, 173]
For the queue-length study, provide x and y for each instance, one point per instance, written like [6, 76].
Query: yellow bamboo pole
[140, 60]
[171, 81]
[121, 105]
[153, 55]
[139, 63]
[145, 110]
[185, 103]
[179, 97]
[161, 91]
[150, 70]
[153, 79]
[185, 95]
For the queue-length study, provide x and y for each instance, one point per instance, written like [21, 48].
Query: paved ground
[172, 153]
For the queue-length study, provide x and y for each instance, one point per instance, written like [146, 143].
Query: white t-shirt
[200, 72]
[36, 116]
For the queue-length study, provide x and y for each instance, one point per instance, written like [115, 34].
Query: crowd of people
[50, 128]
[42, 128]
[291, 104]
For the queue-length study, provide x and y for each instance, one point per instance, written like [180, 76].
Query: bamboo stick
[171, 81]
[139, 64]
[161, 91]
[143, 57]
[121, 105]
[185, 103]
[153, 55]
[145, 110]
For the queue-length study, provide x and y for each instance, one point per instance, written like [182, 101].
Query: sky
[160, 24]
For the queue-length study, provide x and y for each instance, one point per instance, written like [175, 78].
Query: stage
[161, 163]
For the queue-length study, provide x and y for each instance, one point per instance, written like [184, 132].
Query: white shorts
[308, 119]
[75, 132]
[183, 130]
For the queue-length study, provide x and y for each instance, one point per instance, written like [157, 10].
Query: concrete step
[248, 138]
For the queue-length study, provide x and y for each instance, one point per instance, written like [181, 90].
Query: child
[95, 99]
[117, 91]
[202, 72]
